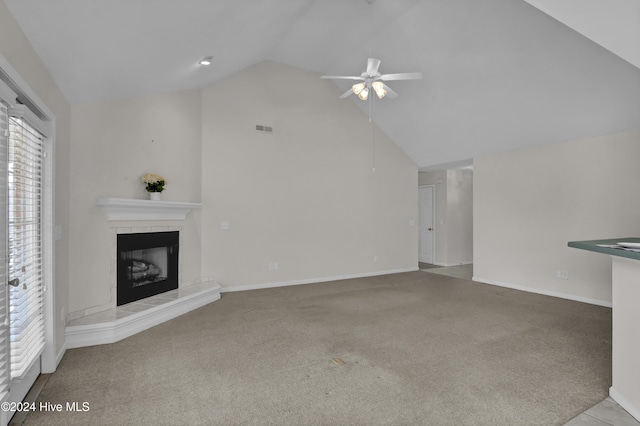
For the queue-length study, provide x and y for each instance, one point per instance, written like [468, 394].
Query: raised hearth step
[118, 323]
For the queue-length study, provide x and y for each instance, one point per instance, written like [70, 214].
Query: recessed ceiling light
[206, 61]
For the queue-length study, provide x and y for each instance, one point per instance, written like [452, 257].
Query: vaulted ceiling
[499, 74]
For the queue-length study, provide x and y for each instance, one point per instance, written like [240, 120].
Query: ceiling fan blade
[402, 76]
[346, 94]
[372, 66]
[390, 93]
[342, 77]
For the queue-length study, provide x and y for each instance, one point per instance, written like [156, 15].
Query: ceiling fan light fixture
[372, 79]
[357, 88]
[378, 86]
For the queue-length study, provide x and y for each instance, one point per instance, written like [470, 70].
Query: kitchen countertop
[592, 245]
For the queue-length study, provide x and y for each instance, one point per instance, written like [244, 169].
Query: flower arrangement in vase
[155, 185]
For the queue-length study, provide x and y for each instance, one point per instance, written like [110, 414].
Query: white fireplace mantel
[132, 209]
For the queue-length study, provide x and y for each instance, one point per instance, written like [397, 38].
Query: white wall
[15, 47]
[453, 221]
[113, 144]
[529, 204]
[306, 196]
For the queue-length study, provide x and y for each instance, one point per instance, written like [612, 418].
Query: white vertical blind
[26, 269]
[4, 260]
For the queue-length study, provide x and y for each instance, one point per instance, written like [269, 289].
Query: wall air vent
[264, 129]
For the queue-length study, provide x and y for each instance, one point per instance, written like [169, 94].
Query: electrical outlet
[224, 225]
[558, 274]
[273, 266]
[565, 275]
[375, 258]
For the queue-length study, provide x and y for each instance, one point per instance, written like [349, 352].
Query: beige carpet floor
[407, 349]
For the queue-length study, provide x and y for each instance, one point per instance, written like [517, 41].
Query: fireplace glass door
[147, 265]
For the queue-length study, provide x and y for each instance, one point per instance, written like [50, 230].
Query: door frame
[433, 217]
[49, 358]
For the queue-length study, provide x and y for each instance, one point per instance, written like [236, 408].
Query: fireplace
[147, 265]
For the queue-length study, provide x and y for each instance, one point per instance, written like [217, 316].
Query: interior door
[426, 235]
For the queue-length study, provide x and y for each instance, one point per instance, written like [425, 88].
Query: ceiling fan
[372, 79]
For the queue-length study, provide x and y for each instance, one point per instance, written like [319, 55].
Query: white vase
[155, 196]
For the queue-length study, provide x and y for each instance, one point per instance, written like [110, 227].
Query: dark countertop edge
[591, 245]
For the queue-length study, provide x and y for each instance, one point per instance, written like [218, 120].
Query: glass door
[25, 164]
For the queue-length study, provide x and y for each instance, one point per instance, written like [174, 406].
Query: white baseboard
[624, 403]
[313, 280]
[544, 292]
[103, 332]
[61, 353]
[49, 360]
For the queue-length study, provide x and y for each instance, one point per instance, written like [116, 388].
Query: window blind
[4, 299]
[26, 269]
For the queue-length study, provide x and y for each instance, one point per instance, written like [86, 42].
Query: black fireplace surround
[147, 265]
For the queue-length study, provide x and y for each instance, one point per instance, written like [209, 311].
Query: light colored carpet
[418, 349]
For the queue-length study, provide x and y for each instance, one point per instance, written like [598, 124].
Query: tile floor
[422, 265]
[606, 413]
[458, 271]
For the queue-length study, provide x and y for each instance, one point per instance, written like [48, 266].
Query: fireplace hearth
[147, 265]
